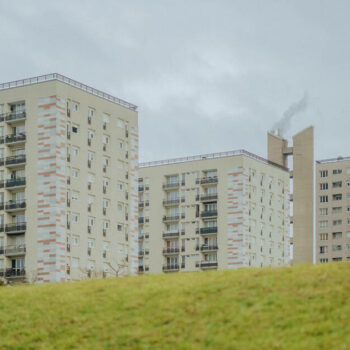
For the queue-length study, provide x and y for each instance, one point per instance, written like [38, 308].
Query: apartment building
[214, 211]
[68, 181]
[333, 210]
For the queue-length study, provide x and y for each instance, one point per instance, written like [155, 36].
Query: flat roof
[240, 152]
[68, 81]
[332, 160]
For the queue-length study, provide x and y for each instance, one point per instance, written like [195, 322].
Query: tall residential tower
[68, 181]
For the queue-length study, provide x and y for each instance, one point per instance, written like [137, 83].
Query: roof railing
[68, 81]
[239, 152]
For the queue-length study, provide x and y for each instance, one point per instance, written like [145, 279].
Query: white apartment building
[68, 181]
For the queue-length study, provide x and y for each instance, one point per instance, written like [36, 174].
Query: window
[75, 241]
[91, 178]
[75, 217]
[105, 139]
[323, 211]
[323, 260]
[105, 203]
[323, 173]
[337, 235]
[120, 227]
[120, 123]
[336, 247]
[323, 199]
[120, 186]
[90, 156]
[324, 186]
[75, 173]
[75, 106]
[75, 129]
[120, 144]
[75, 151]
[348, 234]
[105, 118]
[105, 246]
[91, 221]
[324, 224]
[337, 197]
[75, 196]
[120, 207]
[337, 222]
[90, 134]
[323, 236]
[337, 259]
[323, 249]
[337, 184]
[91, 112]
[336, 210]
[337, 171]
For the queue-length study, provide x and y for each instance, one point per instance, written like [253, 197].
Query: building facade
[333, 210]
[68, 181]
[215, 211]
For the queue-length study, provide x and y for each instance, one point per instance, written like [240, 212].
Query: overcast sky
[208, 76]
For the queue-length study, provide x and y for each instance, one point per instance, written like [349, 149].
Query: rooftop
[68, 81]
[240, 152]
[332, 160]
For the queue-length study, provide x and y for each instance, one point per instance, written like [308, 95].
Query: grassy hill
[304, 307]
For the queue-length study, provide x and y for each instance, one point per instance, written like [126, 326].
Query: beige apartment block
[333, 210]
[68, 181]
[214, 211]
[302, 175]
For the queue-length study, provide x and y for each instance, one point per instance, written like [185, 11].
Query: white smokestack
[284, 123]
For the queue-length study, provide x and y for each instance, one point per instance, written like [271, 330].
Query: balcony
[209, 248]
[208, 230]
[15, 228]
[141, 188]
[141, 220]
[208, 180]
[171, 218]
[12, 273]
[13, 250]
[171, 202]
[209, 264]
[15, 205]
[209, 213]
[171, 251]
[208, 197]
[15, 138]
[170, 268]
[170, 186]
[15, 116]
[15, 160]
[171, 234]
[17, 182]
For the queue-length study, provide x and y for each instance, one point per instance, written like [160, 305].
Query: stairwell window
[75, 128]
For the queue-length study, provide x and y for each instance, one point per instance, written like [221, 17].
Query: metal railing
[15, 227]
[171, 251]
[239, 152]
[174, 267]
[208, 213]
[206, 230]
[15, 159]
[171, 218]
[9, 273]
[167, 186]
[209, 264]
[12, 116]
[15, 138]
[207, 197]
[210, 247]
[15, 250]
[20, 181]
[68, 81]
[13, 205]
[170, 234]
[171, 202]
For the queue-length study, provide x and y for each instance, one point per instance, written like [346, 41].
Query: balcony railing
[208, 180]
[19, 181]
[207, 197]
[15, 116]
[209, 213]
[15, 227]
[209, 264]
[171, 218]
[173, 267]
[15, 138]
[11, 273]
[15, 250]
[208, 230]
[169, 251]
[170, 234]
[14, 160]
[207, 248]
[171, 202]
[167, 186]
[14, 205]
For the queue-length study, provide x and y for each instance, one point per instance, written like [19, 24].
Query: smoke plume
[284, 123]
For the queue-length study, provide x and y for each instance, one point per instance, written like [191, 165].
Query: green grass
[303, 307]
